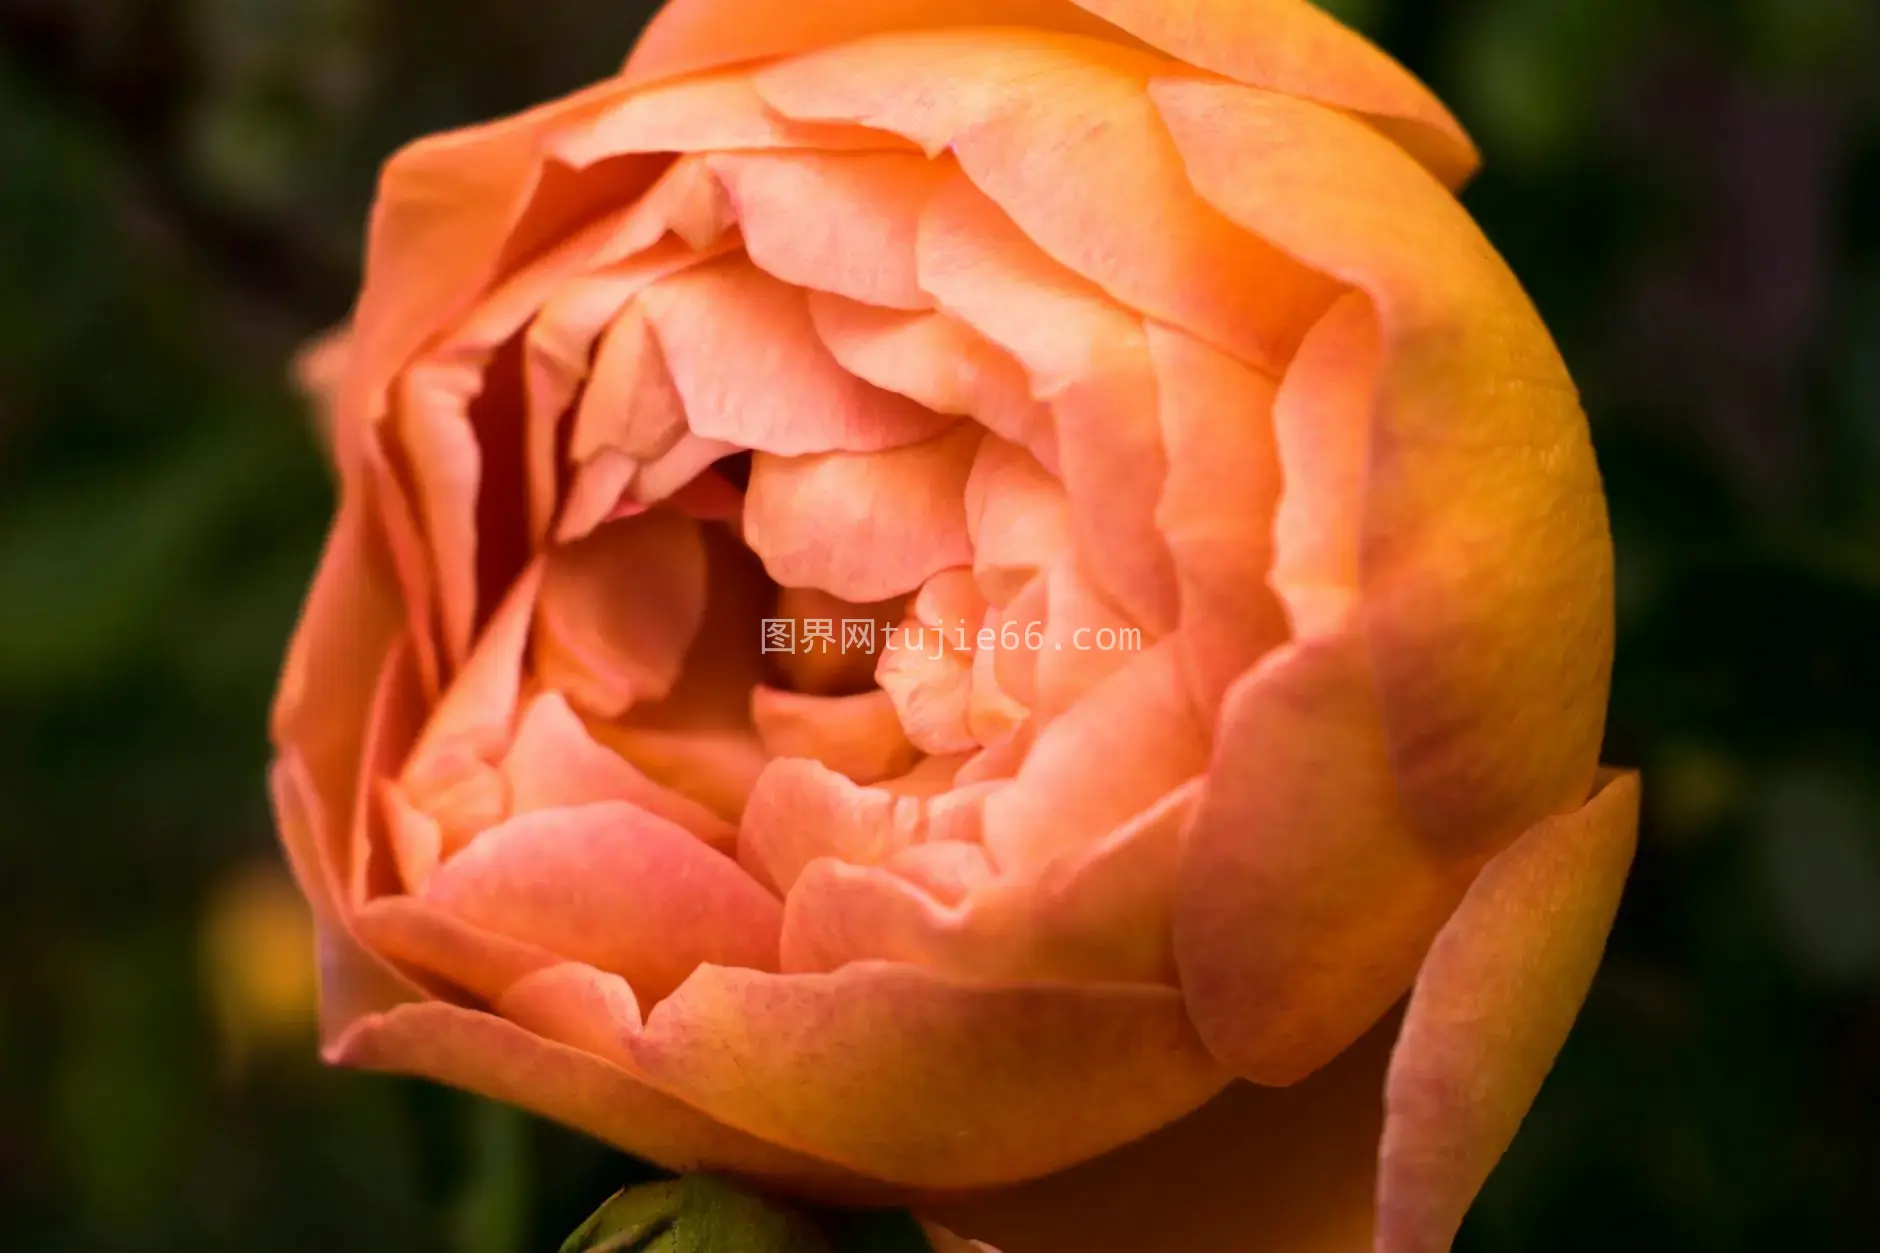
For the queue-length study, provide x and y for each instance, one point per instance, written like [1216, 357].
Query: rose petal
[1257, 1170]
[868, 526]
[1487, 556]
[1089, 358]
[615, 887]
[1493, 1002]
[619, 611]
[1217, 508]
[1100, 913]
[1307, 897]
[486, 1054]
[1048, 127]
[1018, 518]
[836, 222]
[915, 1052]
[931, 685]
[789, 396]
[327, 688]
[554, 764]
[936, 361]
[1144, 738]
[1288, 45]
[859, 737]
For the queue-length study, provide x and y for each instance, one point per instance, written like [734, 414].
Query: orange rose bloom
[1238, 602]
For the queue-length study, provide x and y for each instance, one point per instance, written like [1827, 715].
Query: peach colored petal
[498, 1059]
[554, 764]
[1257, 1170]
[931, 685]
[1306, 898]
[382, 486]
[1018, 517]
[681, 475]
[577, 1005]
[447, 206]
[600, 484]
[417, 837]
[992, 714]
[864, 526]
[1324, 444]
[557, 353]
[716, 768]
[934, 360]
[430, 941]
[946, 870]
[353, 980]
[1099, 913]
[915, 1051]
[327, 689]
[320, 370]
[837, 222]
[1293, 46]
[1493, 1002]
[1487, 555]
[1049, 127]
[692, 35]
[1288, 45]
[725, 661]
[708, 114]
[630, 403]
[859, 737]
[1217, 508]
[1132, 740]
[801, 810]
[788, 395]
[450, 774]
[1090, 359]
[615, 887]
[619, 610]
[818, 668]
[1084, 639]
[371, 864]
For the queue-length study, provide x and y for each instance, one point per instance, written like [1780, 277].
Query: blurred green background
[1691, 189]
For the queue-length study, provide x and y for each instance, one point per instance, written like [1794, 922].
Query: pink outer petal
[619, 611]
[860, 1066]
[486, 1054]
[1486, 556]
[864, 527]
[1257, 1170]
[859, 737]
[1288, 45]
[1099, 914]
[789, 397]
[1217, 507]
[837, 222]
[1048, 127]
[554, 763]
[615, 887]
[1493, 1004]
[934, 360]
[1089, 358]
